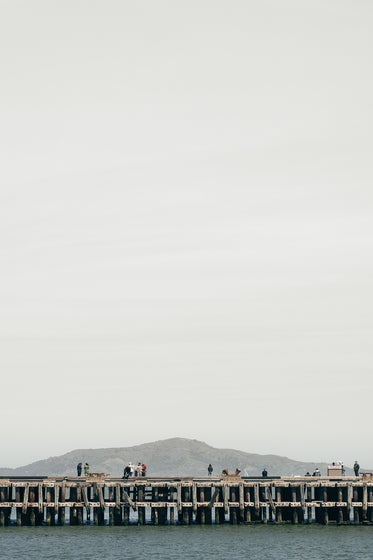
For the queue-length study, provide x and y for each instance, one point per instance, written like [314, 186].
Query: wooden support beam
[100, 496]
[225, 498]
[179, 506]
[194, 498]
[270, 500]
[40, 498]
[56, 496]
[61, 511]
[19, 509]
[25, 498]
[365, 500]
[213, 498]
[85, 498]
[128, 500]
[242, 500]
[302, 498]
[349, 497]
[256, 499]
[117, 495]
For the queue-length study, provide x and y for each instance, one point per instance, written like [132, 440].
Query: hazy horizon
[167, 441]
[186, 226]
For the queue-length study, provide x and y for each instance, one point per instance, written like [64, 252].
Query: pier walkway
[158, 501]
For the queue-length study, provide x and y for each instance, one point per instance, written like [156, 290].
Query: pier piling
[113, 501]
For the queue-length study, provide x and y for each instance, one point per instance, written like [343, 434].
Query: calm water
[257, 542]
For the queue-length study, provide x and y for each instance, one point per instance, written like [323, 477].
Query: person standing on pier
[143, 469]
[79, 469]
[210, 469]
[126, 472]
[356, 468]
[86, 469]
[264, 473]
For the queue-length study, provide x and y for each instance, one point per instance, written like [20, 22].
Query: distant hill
[175, 456]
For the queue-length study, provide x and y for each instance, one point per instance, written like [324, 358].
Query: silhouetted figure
[79, 469]
[126, 472]
[264, 473]
[210, 469]
[356, 468]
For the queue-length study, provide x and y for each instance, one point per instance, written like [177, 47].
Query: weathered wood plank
[365, 499]
[349, 498]
[40, 496]
[85, 498]
[213, 498]
[128, 500]
[241, 499]
[225, 498]
[194, 498]
[179, 506]
[270, 499]
[302, 499]
[25, 498]
[256, 498]
[117, 495]
[101, 496]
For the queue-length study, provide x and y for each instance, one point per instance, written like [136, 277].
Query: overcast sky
[186, 225]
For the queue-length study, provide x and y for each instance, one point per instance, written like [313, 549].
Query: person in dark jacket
[126, 472]
[210, 469]
[79, 469]
[356, 468]
[264, 473]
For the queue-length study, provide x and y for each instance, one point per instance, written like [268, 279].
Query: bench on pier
[367, 474]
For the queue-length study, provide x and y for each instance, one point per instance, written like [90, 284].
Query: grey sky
[186, 232]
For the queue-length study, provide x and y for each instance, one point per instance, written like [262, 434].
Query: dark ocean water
[218, 542]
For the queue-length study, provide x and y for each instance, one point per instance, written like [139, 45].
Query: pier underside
[210, 500]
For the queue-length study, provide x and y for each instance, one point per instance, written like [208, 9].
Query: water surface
[177, 542]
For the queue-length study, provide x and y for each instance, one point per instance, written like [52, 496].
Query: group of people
[339, 464]
[80, 467]
[132, 470]
[225, 471]
[316, 472]
[140, 470]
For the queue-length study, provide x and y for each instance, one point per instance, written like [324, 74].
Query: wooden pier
[160, 501]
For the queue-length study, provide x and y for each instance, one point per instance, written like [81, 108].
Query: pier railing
[159, 501]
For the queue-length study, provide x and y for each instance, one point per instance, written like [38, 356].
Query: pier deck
[184, 500]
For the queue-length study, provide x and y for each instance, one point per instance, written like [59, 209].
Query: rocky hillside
[176, 456]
